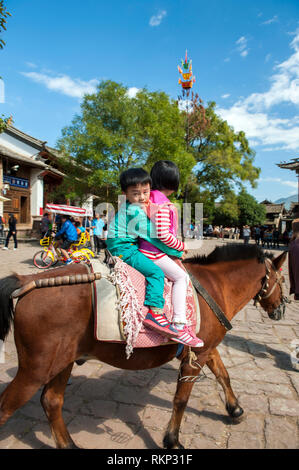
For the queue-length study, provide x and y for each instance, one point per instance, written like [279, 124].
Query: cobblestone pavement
[108, 408]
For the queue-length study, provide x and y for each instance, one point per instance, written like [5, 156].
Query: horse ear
[278, 262]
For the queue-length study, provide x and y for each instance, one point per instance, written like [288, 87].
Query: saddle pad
[119, 316]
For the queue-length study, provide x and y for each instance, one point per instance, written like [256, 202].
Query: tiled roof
[4, 151]
[292, 165]
[274, 208]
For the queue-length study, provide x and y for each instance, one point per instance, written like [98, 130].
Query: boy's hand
[184, 254]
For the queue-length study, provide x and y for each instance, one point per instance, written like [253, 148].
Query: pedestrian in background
[246, 234]
[12, 232]
[275, 235]
[257, 235]
[294, 261]
[1, 226]
[97, 226]
[45, 225]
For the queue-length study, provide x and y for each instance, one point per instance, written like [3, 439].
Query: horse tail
[7, 286]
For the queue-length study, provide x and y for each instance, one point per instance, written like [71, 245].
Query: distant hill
[287, 200]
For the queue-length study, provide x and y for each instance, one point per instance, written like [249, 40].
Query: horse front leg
[183, 391]
[216, 365]
[52, 399]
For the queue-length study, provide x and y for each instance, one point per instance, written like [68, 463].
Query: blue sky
[245, 57]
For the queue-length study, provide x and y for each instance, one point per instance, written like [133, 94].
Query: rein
[211, 302]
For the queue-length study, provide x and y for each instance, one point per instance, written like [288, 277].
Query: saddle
[119, 308]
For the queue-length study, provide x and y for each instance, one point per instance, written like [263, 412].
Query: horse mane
[231, 252]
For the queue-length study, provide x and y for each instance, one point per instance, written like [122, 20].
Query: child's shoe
[69, 261]
[156, 320]
[187, 337]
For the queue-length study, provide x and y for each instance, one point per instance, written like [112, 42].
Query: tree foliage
[3, 15]
[115, 131]
[224, 158]
[250, 211]
[241, 209]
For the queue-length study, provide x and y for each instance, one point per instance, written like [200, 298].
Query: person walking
[12, 232]
[98, 225]
[268, 237]
[275, 235]
[246, 234]
[45, 225]
[1, 227]
[257, 235]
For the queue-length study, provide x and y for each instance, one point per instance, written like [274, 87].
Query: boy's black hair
[134, 176]
[165, 175]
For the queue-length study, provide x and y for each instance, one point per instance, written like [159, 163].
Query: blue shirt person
[69, 233]
[98, 225]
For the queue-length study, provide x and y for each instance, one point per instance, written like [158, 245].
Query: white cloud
[132, 92]
[227, 95]
[31, 65]
[271, 20]
[253, 114]
[64, 84]
[155, 20]
[292, 184]
[242, 46]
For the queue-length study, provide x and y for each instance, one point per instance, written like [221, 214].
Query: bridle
[264, 293]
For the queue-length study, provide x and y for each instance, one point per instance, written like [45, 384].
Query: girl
[165, 180]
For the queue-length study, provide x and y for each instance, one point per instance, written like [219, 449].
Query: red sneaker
[158, 322]
[187, 337]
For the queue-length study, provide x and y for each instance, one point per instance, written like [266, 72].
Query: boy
[68, 230]
[130, 223]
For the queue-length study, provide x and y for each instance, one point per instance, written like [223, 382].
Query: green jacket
[129, 224]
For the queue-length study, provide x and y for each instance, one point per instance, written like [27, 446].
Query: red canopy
[67, 210]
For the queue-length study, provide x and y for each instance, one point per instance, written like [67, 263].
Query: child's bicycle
[51, 253]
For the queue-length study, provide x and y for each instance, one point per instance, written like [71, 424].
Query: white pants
[180, 280]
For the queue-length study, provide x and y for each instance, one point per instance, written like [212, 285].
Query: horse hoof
[171, 442]
[235, 412]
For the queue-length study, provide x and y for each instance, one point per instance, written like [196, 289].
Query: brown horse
[54, 326]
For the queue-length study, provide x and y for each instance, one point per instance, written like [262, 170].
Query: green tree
[3, 15]
[250, 211]
[227, 212]
[241, 209]
[224, 158]
[114, 132]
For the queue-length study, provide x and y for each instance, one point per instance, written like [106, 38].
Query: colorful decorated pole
[187, 79]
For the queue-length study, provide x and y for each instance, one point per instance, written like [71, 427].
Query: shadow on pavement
[82, 414]
[282, 359]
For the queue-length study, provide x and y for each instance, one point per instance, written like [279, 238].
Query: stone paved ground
[108, 408]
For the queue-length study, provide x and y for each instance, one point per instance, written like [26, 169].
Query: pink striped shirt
[163, 226]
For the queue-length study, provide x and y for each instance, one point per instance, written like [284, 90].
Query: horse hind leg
[216, 365]
[52, 399]
[16, 394]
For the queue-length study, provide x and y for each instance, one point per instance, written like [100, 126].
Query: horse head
[271, 296]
